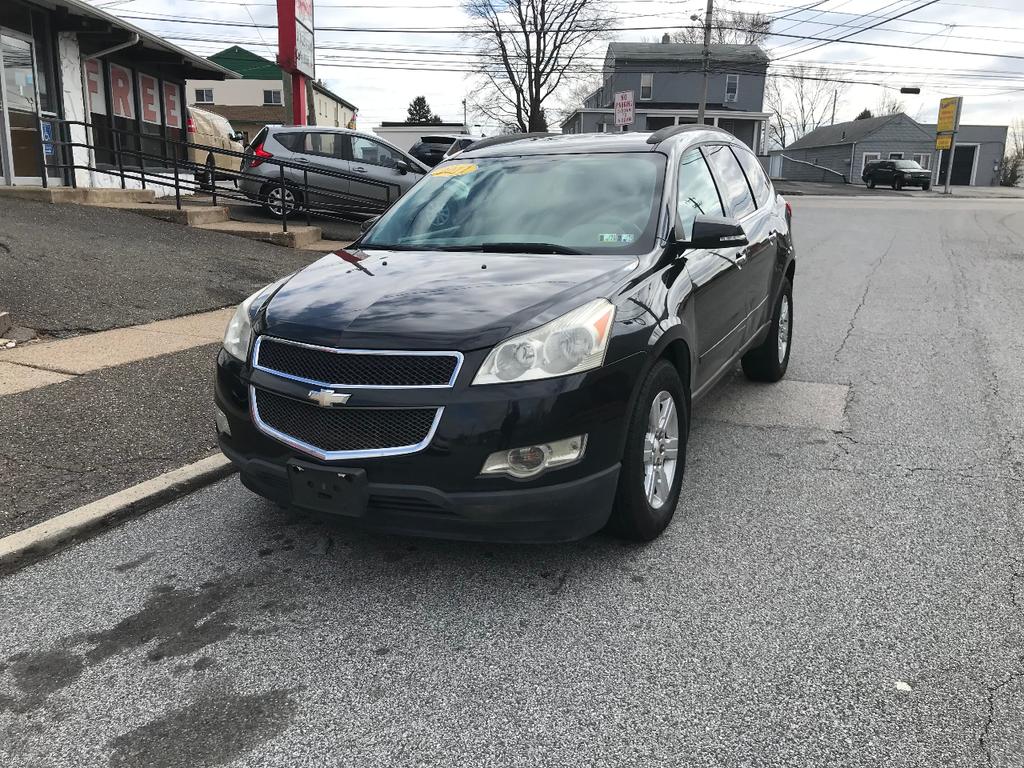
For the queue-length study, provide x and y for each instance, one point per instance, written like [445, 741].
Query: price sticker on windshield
[460, 169]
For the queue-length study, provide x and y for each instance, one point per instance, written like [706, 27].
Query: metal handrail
[814, 165]
[166, 169]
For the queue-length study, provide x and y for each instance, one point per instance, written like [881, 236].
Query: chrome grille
[343, 432]
[356, 368]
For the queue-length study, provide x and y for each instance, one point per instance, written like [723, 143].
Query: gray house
[666, 80]
[845, 148]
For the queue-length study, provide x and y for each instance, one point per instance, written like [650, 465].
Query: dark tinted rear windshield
[908, 165]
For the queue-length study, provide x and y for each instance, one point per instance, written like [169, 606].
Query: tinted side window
[697, 194]
[292, 141]
[736, 192]
[755, 176]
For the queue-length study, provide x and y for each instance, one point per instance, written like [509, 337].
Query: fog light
[222, 423]
[531, 460]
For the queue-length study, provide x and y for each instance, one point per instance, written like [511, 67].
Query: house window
[924, 159]
[732, 88]
[895, 155]
[204, 95]
[869, 157]
[271, 97]
[646, 86]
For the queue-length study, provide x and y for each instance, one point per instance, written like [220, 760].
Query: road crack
[863, 298]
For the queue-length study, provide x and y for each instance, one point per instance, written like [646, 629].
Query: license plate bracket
[334, 490]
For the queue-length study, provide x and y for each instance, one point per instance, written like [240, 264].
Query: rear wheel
[652, 467]
[871, 183]
[897, 184]
[769, 361]
[277, 198]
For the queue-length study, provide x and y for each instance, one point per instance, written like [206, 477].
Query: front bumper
[438, 491]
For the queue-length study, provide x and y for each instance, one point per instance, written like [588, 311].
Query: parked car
[334, 169]
[430, 150]
[511, 352]
[459, 145]
[212, 130]
[897, 174]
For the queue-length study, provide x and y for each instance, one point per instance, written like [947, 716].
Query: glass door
[20, 141]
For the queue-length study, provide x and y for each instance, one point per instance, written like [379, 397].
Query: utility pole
[465, 116]
[707, 62]
[835, 95]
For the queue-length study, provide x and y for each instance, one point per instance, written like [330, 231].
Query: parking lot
[841, 584]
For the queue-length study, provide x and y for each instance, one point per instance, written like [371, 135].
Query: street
[842, 583]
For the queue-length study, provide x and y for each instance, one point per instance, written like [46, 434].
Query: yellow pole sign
[949, 113]
[944, 141]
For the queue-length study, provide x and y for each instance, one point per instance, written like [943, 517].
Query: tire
[926, 186]
[271, 193]
[871, 183]
[897, 184]
[769, 361]
[643, 506]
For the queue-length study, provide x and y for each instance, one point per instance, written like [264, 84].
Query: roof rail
[495, 140]
[660, 135]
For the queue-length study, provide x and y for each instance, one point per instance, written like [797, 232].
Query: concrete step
[329, 246]
[189, 215]
[295, 237]
[81, 196]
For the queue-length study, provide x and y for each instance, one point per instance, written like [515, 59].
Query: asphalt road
[842, 584]
[74, 268]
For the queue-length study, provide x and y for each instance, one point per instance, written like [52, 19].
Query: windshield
[593, 204]
[908, 165]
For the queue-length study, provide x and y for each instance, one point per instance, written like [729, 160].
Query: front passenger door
[378, 163]
[718, 295]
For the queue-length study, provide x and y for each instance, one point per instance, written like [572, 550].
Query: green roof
[247, 64]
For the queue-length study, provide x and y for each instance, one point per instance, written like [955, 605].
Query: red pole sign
[295, 47]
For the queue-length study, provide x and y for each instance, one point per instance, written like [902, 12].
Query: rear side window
[755, 176]
[697, 194]
[735, 191]
[291, 141]
[259, 138]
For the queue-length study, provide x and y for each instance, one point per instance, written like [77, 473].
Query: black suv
[511, 351]
[897, 174]
[430, 150]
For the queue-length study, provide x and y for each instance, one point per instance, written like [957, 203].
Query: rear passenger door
[718, 295]
[883, 174]
[313, 153]
[378, 163]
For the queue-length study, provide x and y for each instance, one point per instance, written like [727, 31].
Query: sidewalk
[798, 188]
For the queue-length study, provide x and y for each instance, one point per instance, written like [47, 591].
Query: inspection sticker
[615, 238]
[454, 170]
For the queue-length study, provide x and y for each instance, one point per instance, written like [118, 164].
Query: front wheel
[274, 194]
[926, 186]
[897, 184]
[769, 361]
[652, 467]
[871, 183]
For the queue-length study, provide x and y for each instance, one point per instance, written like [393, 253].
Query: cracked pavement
[841, 587]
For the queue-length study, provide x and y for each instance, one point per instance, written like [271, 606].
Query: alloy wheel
[274, 200]
[783, 345]
[661, 449]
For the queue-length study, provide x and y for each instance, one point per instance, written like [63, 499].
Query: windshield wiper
[516, 248]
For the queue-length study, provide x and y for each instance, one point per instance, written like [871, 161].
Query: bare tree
[889, 105]
[1011, 169]
[727, 26]
[800, 101]
[528, 49]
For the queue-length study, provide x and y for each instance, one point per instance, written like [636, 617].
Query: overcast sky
[355, 64]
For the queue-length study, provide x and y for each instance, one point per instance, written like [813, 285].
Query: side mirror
[711, 232]
[403, 167]
[236, 136]
[368, 223]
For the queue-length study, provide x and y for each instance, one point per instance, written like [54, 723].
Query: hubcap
[661, 449]
[783, 328]
[275, 199]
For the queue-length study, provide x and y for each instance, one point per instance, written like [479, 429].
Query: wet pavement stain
[182, 620]
[213, 730]
[133, 564]
[38, 675]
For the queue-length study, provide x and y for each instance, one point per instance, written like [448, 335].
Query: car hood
[433, 299]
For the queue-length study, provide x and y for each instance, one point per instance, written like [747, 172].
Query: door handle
[359, 170]
[741, 258]
[302, 160]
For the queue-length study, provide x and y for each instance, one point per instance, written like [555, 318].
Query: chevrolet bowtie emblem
[325, 398]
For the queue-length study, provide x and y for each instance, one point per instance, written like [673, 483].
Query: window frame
[197, 91]
[271, 102]
[926, 156]
[734, 78]
[698, 148]
[350, 150]
[875, 157]
[649, 86]
[729, 212]
[896, 156]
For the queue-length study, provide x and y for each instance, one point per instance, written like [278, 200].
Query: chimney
[665, 39]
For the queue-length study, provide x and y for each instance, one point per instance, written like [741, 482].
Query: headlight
[575, 342]
[238, 336]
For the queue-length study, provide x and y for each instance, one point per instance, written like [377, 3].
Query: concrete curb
[27, 546]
